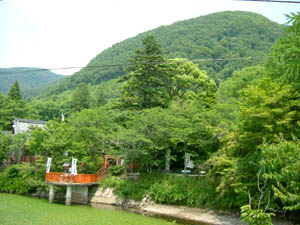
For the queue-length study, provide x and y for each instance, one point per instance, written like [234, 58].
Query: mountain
[217, 37]
[32, 81]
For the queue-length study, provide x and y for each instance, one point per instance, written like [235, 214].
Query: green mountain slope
[223, 35]
[32, 81]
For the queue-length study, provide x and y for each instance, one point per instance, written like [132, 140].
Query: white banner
[74, 168]
[48, 165]
[188, 162]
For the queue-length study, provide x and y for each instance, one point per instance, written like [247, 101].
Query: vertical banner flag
[48, 165]
[74, 168]
[188, 162]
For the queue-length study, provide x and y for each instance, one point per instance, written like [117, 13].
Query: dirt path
[198, 215]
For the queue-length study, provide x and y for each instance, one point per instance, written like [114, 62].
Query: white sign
[74, 168]
[188, 162]
[48, 165]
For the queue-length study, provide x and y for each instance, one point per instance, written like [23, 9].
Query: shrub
[22, 179]
[117, 170]
[168, 189]
[256, 216]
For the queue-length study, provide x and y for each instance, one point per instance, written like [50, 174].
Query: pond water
[24, 210]
[138, 211]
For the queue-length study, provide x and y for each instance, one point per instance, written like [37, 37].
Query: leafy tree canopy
[283, 64]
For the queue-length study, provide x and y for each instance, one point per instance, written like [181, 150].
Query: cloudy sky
[69, 33]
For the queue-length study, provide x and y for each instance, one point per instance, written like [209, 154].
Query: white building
[21, 125]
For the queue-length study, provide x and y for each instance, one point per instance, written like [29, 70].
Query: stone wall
[106, 196]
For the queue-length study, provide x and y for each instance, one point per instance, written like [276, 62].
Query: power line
[276, 1]
[146, 63]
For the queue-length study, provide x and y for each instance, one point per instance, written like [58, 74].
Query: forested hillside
[31, 80]
[244, 132]
[223, 35]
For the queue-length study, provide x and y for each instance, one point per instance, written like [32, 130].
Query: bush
[117, 170]
[168, 189]
[22, 179]
[181, 190]
[256, 216]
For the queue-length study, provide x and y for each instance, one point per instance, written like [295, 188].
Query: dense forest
[222, 35]
[32, 81]
[238, 120]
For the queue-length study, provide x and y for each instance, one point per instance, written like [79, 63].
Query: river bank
[106, 196]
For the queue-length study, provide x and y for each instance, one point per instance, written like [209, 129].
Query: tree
[2, 100]
[13, 107]
[81, 98]
[229, 90]
[280, 161]
[283, 65]
[14, 92]
[5, 142]
[86, 136]
[145, 85]
[155, 125]
[267, 110]
[187, 82]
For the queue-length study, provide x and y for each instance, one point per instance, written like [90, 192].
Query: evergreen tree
[145, 85]
[2, 100]
[14, 92]
[13, 107]
[81, 98]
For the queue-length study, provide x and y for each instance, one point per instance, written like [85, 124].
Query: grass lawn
[22, 210]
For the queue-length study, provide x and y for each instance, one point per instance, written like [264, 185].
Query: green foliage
[145, 85]
[5, 142]
[231, 34]
[46, 110]
[267, 110]
[183, 191]
[187, 82]
[117, 170]
[13, 107]
[32, 80]
[255, 216]
[23, 179]
[281, 161]
[172, 108]
[12, 145]
[14, 92]
[167, 189]
[84, 138]
[81, 98]
[230, 89]
[283, 64]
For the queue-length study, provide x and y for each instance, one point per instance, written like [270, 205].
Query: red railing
[82, 178]
[69, 178]
[24, 158]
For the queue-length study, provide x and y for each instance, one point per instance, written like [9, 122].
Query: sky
[69, 33]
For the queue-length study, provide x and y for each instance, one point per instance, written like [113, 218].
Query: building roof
[31, 121]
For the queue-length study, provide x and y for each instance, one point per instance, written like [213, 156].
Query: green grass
[22, 210]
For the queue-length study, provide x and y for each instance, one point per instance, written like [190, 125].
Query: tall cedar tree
[14, 107]
[14, 92]
[145, 85]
